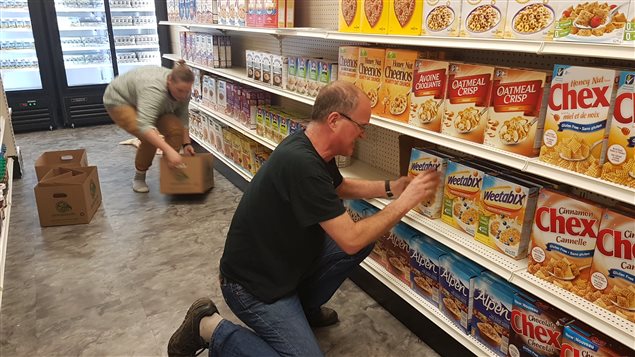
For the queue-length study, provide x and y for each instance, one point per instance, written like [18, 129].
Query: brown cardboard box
[68, 196]
[65, 158]
[197, 177]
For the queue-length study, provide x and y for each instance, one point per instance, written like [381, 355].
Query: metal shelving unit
[227, 161]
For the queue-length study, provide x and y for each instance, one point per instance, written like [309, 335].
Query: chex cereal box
[456, 282]
[398, 251]
[425, 254]
[375, 16]
[492, 312]
[580, 340]
[620, 157]
[517, 110]
[536, 328]
[483, 18]
[629, 29]
[347, 60]
[467, 101]
[370, 75]
[461, 196]
[563, 239]
[441, 18]
[580, 102]
[423, 160]
[350, 16]
[427, 97]
[404, 17]
[506, 213]
[531, 19]
[394, 95]
[597, 21]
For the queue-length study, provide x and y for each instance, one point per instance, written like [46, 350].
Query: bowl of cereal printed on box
[532, 18]
[483, 18]
[440, 18]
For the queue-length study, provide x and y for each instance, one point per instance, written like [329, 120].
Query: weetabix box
[347, 60]
[350, 16]
[375, 16]
[394, 95]
[461, 197]
[427, 97]
[600, 22]
[370, 75]
[483, 18]
[404, 17]
[441, 18]
[531, 19]
[456, 281]
[422, 160]
[425, 256]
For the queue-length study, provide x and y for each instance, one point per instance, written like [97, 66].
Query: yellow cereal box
[347, 60]
[580, 101]
[427, 97]
[597, 21]
[506, 213]
[483, 18]
[517, 110]
[531, 19]
[375, 16]
[370, 74]
[404, 17]
[467, 101]
[620, 157]
[423, 160]
[394, 95]
[613, 270]
[461, 197]
[441, 18]
[350, 16]
[563, 239]
[629, 29]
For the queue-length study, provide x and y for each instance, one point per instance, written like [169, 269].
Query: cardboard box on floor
[54, 159]
[67, 196]
[197, 177]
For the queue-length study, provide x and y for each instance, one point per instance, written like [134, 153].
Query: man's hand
[421, 188]
[188, 149]
[174, 159]
[399, 185]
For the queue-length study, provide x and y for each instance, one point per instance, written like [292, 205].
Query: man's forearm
[152, 136]
[356, 188]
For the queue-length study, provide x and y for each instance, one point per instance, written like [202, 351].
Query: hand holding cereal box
[421, 161]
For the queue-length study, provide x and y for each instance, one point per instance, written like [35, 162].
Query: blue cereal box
[457, 289]
[422, 160]
[425, 254]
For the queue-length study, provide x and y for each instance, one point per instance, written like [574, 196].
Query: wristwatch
[186, 144]
[389, 193]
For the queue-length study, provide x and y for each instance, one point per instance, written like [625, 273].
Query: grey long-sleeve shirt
[146, 90]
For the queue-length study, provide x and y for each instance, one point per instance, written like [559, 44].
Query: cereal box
[312, 77]
[327, 73]
[467, 101]
[620, 157]
[516, 113]
[398, 251]
[375, 16]
[629, 29]
[301, 75]
[441, 18]
[461, 196]
[279, 71]
[536, 328]
[370, 75]
[425, 254]
[422, 160]
[483, 18]
[581, 340]
[257, 65]
[531, 20]
[427, 96]
[267, 73]
[596, 21]
[404, 17]
[580, 101]
[347, 60]
[563, 239]
[350, 16]
[456, 283]
[506, 212]
[394, 95]
[292, 66]
[492, 310]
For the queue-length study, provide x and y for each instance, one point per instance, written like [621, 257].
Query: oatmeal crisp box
[350, 16]
[394, 94]
[483, 18]
[347, 61]
[563, 239]
[582, 340]
[397, 245]
[425, 255]
[404, 17]
[370, 74]
[461, 197]
[422, 160]
[517, 110]
[580, 101]
[531, 19]
[427, 97]
[441, 18]
[456, 281]
[375, 16]
[598, 21]
[467, 101]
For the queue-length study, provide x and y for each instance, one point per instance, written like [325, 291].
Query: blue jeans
[281, 328]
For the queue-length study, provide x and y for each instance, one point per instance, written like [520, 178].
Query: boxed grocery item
[441, 18]
[456, 281]
[429, 86]
[620, 153]
[629, 29]
[461, 197]
[279, 71]
[301, 75]
[404, 17]
[467, 101]
[370, 75]
[277, 13]
[292, 68]
[55, 159]
[312, 73]
[422, 160]
[327, 73]
[240, 15]
[517, 110]
[531, 20]
[596, 21]
[581, 340]
[257, 65]
[197, 85]
[347, 60]
[375, 16]
[266, 67]
[350, 16]
[394, 95]
[209, 91]
[397, 246]
[68, 195]
[221, 95]
[425, 255]
[483, 18]
[580, 102]
[251, 18]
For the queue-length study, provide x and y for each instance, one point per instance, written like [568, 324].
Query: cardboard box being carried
[197, 177]
[67, 196]
[54, 159]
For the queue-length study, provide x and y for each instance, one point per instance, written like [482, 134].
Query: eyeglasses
[361, 127]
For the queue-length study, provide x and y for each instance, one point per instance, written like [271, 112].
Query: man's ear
[331, 119]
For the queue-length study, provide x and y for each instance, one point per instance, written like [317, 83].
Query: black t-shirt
[275, 236]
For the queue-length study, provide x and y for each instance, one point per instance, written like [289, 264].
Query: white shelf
[138, 47]
[139, 64]
[60, 9]
[131, 9]
[30, 69]
[86, 48]
[136, 27]
[82, 28]
[87, 65]
[227, 161]
[16, 29]
[19, 50]
[4, 234]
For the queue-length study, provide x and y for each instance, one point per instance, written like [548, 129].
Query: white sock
[208, 325]
[139, 182]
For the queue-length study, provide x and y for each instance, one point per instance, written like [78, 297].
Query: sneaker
[186, 340]
[324, 317]
[140, 186]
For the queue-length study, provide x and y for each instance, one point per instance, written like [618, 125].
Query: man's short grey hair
[338, 96]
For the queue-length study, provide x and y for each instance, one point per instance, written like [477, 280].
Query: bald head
[338, 96]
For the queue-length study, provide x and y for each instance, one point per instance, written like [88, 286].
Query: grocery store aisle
[120, 285]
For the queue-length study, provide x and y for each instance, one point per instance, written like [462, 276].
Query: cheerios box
[517, 110]
[456, 284]
[598, 22]
[441, 18]
[580, 102]
[531, 19]
[423, 160]
[394, 94]
[620, 153]
[563, 239]
[483, 18]
[350, 16]
[582, 340]
[629, 28]
[425, 254]
[467, 101]
[375, 16]
[461, 196]
[397, 246]
[427, 97]
[404, 17]
[370, 75]
[347, 61]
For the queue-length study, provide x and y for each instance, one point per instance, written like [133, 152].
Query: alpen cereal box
[580, 102]
[441, 18]
[620, 157]
[394, 95]
[347, 60]
[404, 17]
[563, 239]
[461, 196]
[629, 30]
[456, 282]
[425, 255]
[398, 251]
[370, 75]
[375, 16]
[467, 101]
[580, 340]
[516, 113]
[483, 18]
[350, 16]
[531, 19]
[422, 160]
[427, 97]
[597, 21]
[358, 209]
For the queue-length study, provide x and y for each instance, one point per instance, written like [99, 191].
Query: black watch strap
[387, 187]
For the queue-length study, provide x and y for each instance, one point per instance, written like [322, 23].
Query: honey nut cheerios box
[425, 255]
[350, 16]
[375, 16]
[531, 19]
[370, 74]
[456, 283]
[597, 21]
[581, 340]
[517, 110]
[394, 92]
[427, 97]
[461, 196]
[483, 18]
[629, 29]
[347, 61]
[422, 160]
[563, 239]
[620, 153]
[404, 17]
[441, 18]
[580, 101]
[467, 101]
